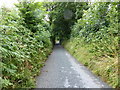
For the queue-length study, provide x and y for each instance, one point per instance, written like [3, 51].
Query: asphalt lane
[63, 71]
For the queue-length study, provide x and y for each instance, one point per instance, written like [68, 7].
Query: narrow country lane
[63, 71]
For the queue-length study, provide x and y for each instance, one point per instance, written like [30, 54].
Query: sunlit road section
[63, 71]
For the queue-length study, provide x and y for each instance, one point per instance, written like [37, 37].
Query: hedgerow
[94, 40]
[23, 52]
[89, 32]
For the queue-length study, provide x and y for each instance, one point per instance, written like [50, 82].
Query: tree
[62, 16]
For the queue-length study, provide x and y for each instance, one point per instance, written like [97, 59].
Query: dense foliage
[94, 40]
[62, 16]
[88, 30]
[25, 44]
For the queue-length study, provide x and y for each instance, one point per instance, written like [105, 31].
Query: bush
[23, 52]
[94, 40]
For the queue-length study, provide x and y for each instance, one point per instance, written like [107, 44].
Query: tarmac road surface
[63, 71]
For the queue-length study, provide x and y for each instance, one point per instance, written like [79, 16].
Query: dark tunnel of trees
[62, 16]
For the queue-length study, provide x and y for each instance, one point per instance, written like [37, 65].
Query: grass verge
[104, 66]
